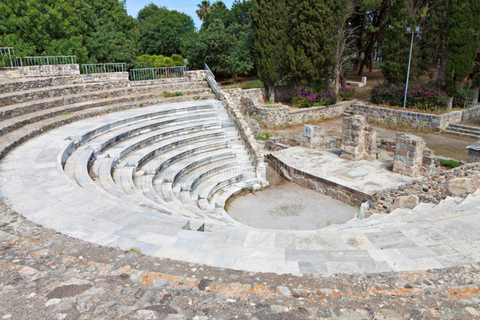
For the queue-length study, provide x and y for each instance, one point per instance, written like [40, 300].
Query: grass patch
[252, 84]
[66, 113]
[449, 163]
[168, 94]
[135, 250]
[264, 136]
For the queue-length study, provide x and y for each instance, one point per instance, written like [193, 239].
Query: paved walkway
[34, 184]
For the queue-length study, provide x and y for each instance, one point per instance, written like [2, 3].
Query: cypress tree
[270, 29]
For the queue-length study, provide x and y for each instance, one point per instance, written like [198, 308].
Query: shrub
[462, 95]
[426, 97]
[264, 136]
[449, 163]
[148, 61]
[168, 94]
[346, 93]
[307, 100]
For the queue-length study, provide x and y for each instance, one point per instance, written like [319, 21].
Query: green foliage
[223, 42]
[93, 30]
[462, 94]
[346, 93]
[135, 250]
[270, 33]
[148, 61]
[264, 136]
[426, 97]
[302, 102]
[246, 85]
[162, 30]
[449, 163]
[168, 94]
[311, 41]
[396, 44]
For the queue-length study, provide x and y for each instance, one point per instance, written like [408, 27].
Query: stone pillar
[313, 136]
[359, 140]
[408, 158]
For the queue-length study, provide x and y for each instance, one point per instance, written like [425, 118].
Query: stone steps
[463, 130]
[195, 227]
[115, 95]
[12, 139]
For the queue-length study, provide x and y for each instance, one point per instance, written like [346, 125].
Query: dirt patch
[444, 145]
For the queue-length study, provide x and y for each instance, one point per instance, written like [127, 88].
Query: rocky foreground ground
[46, 275]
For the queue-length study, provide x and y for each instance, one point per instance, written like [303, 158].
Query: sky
[186, 6]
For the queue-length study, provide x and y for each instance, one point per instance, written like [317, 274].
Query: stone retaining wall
[48, 70]
[471, 113]
[336, 191]
[277, 115]
[196, 75]
[417, 120]
[97, 77]
[256, 155]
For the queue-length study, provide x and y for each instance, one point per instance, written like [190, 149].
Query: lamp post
[409, 30]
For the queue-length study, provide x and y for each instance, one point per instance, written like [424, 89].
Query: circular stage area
[157, 179]
[289, 206]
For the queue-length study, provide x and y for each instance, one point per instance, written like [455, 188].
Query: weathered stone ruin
[315, 137]
[412, 157]
[359, 140]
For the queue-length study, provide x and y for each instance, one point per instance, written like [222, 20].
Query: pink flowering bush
[425, 97]
[346, 93]
[307, 100]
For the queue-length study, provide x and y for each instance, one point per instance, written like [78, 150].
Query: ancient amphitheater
[115, 168]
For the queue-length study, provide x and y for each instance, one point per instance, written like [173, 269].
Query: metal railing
[139, 77]
[470, 104]
[7, 57]
[103, 68]
[216, 88]
[42, 66]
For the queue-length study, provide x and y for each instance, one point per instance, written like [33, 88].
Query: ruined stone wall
[359, 140]
[336, 191]
[473, 156]
[246, 135]
[433, 189]
[268, 116]
[414, 119]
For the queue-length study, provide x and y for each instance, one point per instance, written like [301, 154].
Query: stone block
[460, 187]
[405, 202]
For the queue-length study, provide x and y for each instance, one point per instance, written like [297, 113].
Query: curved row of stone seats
[11, 85]
[35, 184]
[49, 103]
[132, 155]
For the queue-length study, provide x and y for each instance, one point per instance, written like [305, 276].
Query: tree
[93, 30]
[162, 30]
[203, 9]
[270, 33]
[462, 42]
[345, 49]
[312, 41]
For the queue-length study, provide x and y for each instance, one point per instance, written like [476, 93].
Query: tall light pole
[409, 30]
